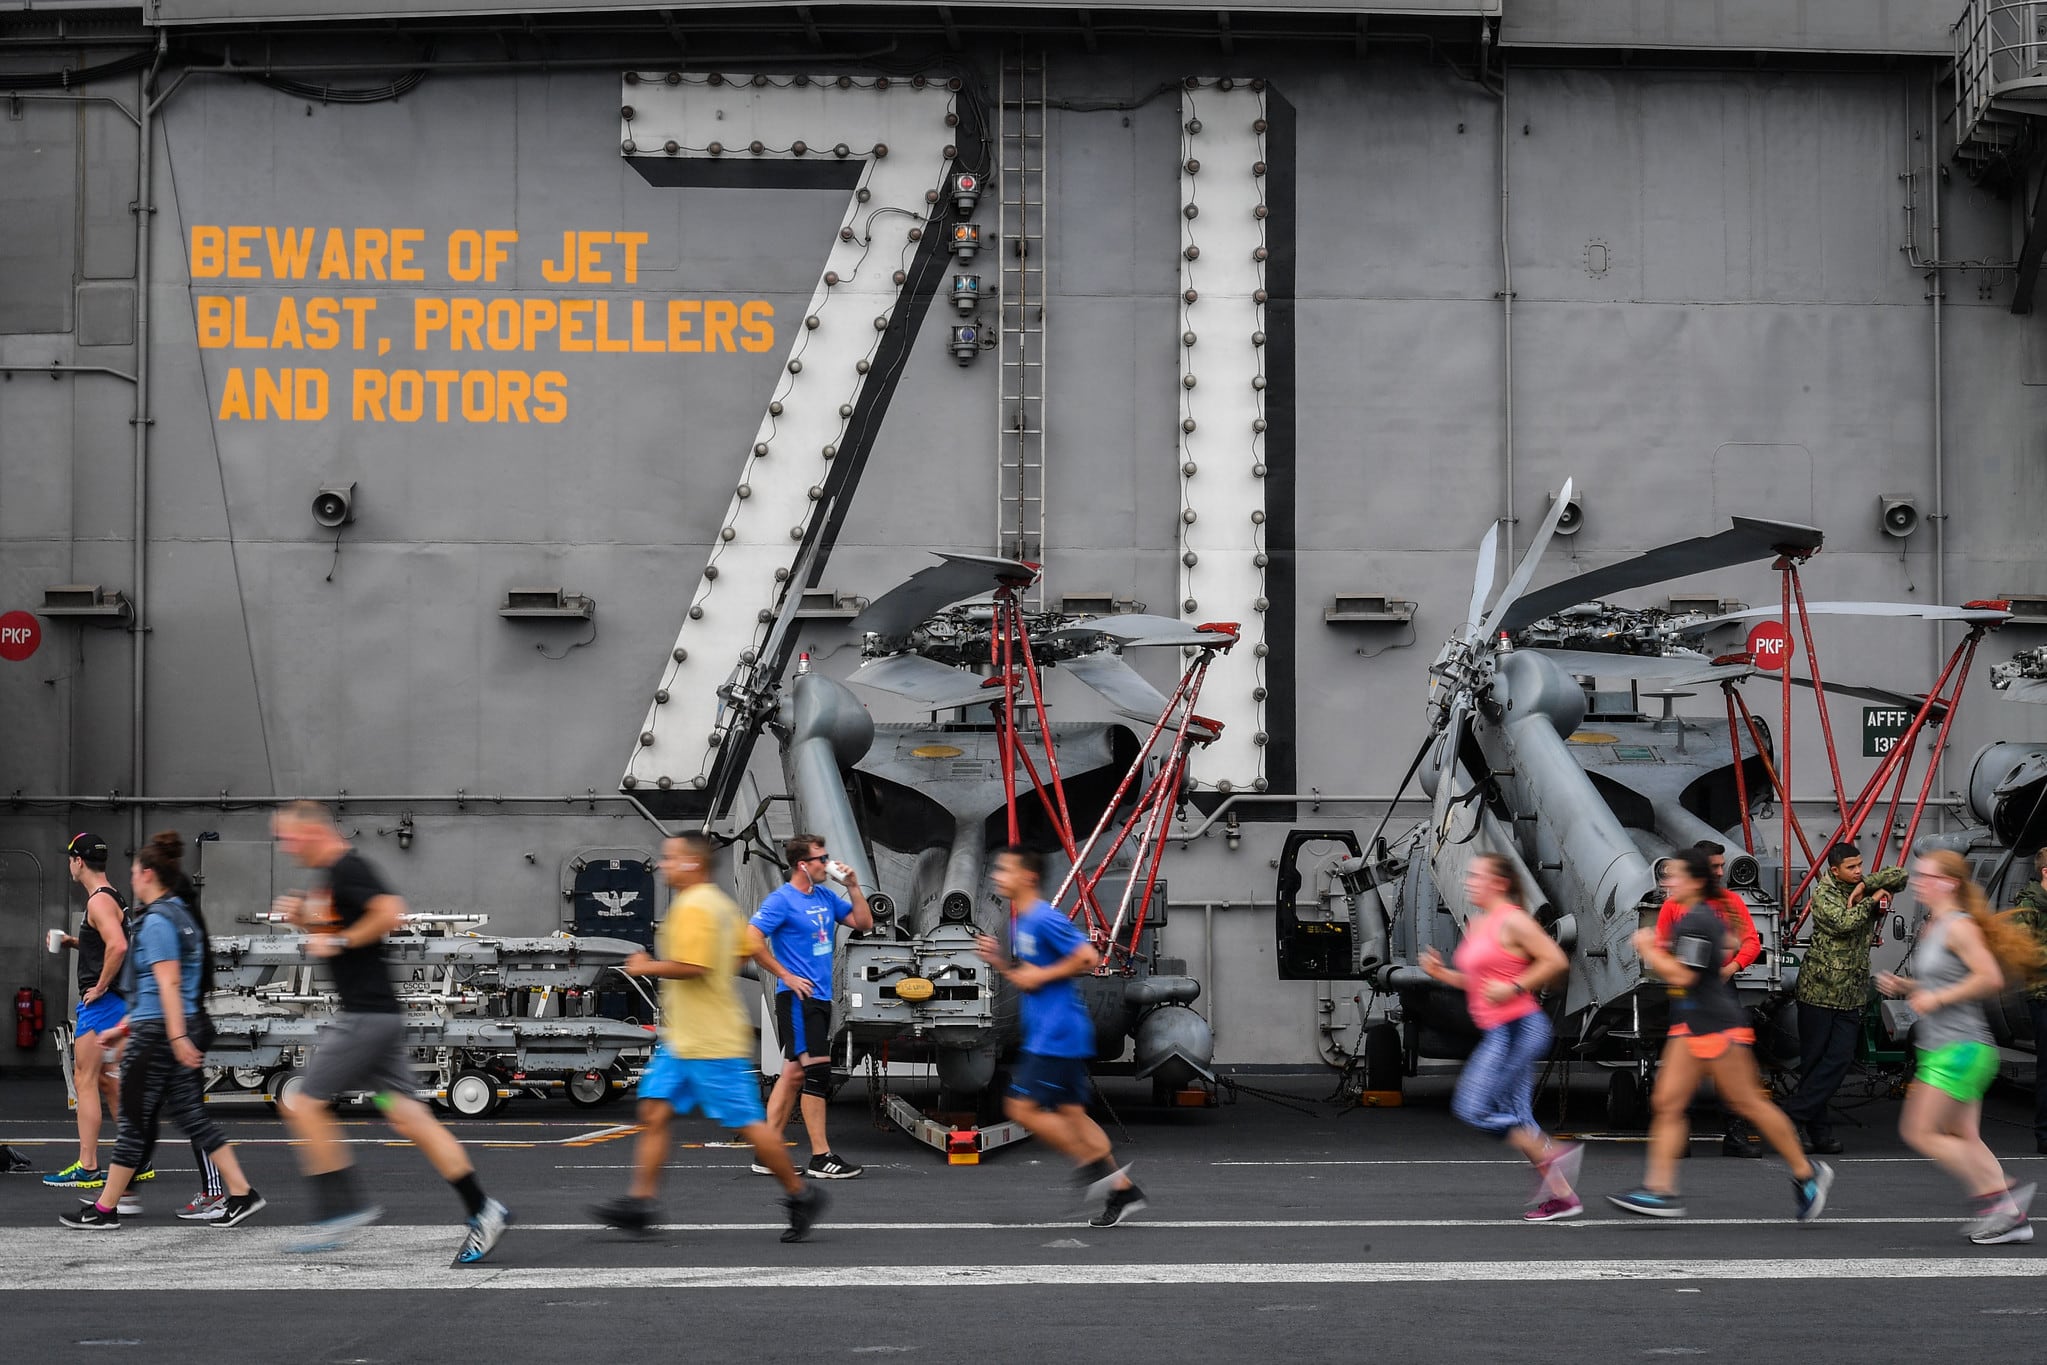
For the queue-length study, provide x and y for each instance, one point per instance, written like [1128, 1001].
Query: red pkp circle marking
[20, 634]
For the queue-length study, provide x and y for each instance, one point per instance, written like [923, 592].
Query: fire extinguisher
[29, 1018]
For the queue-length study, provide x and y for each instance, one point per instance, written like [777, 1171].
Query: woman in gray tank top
[1962, 959]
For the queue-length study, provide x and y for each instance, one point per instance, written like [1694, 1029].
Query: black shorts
[807, 1029]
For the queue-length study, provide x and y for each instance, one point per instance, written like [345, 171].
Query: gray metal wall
[1757, 343]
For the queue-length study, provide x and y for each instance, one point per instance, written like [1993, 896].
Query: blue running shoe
[77, 1177]
[1649, 1203]
[485, 1228]
[1811, 1192]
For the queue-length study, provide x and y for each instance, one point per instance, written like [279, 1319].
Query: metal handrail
[1996, 44]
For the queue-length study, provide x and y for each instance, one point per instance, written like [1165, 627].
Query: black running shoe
[1122, 1203]
[90, 1217]
[238, 1209]
[832, 1166]
[626, 1213]
[805, 1207]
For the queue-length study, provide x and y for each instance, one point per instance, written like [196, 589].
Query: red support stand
[1016, 668]
[1819, 690]
[1784, 747]
[1748, 833]
[1957, 670]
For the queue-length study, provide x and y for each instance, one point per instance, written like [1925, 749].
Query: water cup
[54, 941]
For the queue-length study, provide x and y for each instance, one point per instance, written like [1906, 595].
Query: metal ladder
[1020, 301]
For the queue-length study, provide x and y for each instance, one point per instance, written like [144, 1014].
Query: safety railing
[2000, 47]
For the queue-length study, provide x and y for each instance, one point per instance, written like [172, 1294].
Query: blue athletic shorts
[102, 1014]
[725, 1090]
[1050, 1082]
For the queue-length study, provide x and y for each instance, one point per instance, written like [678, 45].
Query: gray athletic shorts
[359, 1053]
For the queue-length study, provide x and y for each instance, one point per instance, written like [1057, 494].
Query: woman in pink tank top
[1503, 959]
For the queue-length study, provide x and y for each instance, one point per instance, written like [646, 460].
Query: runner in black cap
[102, 944]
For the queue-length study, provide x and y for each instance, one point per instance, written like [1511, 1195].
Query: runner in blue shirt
[1049, 1085]
[792, 937]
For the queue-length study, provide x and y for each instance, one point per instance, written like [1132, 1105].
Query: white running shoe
[486, 1228]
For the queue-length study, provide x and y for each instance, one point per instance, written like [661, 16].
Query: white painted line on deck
[155, 1234]
[410, 1259]
[1519, 1161]
[1388, 1161]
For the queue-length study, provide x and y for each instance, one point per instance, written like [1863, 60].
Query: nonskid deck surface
[1270, 1229]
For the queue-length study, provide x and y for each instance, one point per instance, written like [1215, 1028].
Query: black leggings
[153, 1081]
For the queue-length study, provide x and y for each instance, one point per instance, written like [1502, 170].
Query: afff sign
[1882, 728]
[1769, 644]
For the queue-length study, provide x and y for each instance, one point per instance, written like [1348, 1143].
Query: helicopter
[917, 809]
[1531, 755]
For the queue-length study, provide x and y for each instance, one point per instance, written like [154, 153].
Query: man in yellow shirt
[702, 1062]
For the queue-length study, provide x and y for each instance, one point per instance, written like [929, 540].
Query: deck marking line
[372, 1266]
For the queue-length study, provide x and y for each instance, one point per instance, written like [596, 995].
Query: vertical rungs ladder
[1020, 301]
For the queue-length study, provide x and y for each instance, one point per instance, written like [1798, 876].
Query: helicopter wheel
[1381, 1064]
[1623, 1099]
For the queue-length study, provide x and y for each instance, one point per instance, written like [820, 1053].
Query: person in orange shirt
[1733, 912]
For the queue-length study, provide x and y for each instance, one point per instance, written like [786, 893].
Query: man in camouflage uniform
[1834, 985]
[2032, 913]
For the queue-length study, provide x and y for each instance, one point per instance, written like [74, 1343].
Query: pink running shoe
[1558, 1169]
[1551, 1210]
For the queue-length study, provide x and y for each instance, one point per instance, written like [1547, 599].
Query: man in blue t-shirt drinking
[1049, 1085]
[792, 937]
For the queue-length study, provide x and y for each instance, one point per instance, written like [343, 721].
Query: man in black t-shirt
[362, 1049]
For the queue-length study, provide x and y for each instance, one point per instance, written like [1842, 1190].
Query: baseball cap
[90, 847]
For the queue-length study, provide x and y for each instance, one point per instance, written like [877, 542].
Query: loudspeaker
[335, 506]
[1900, 516]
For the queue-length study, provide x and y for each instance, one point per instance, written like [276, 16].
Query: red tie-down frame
[1114, 934]
[1936, 708]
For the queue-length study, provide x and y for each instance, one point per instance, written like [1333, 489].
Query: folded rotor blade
[1449, 743]
[1482, 576]
[1975, 616]
[1592, 663]
[2025, 689]
[1140, 629]
[1119, 683]
[1524, 572]
[929, 591]
[1711, 673]
[1748, 539]
[1883, 696]
[932, 685]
